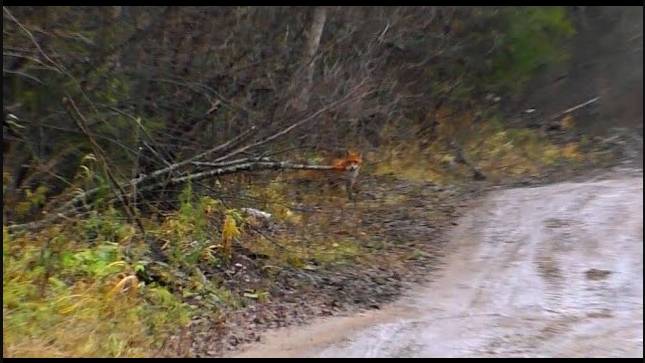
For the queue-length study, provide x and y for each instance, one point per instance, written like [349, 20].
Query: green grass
[63, 298]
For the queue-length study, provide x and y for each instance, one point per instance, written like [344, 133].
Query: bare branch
[250, 166]
[575, 108]
[33, 39]
[81, 122]
[285, 131]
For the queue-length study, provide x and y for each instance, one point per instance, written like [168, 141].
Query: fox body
[350, 166]
[344, 172]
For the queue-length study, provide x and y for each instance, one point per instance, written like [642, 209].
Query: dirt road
[532, 272]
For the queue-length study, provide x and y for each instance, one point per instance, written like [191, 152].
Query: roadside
[551, 271]
[401, 228]
[404, 245]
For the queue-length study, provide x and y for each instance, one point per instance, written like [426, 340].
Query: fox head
[351, 162]
[354, 159]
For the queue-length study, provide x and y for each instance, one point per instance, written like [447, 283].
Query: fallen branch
[146, 177]
[221, 168]
[575, 108]
[223, 147]
[239, 166]
[226, 146]
[249, 166]
[228, 163]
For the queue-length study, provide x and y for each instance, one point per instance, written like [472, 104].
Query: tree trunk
[311, 48]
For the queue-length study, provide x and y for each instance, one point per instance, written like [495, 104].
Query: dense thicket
[154, 86]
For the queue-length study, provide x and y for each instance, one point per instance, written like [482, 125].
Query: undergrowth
[89, 287]
[497, 151]
[64, 295]
[75, 288]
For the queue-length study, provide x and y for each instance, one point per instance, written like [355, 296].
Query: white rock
[257, 213]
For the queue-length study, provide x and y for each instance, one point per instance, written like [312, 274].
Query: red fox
[350, 165]
[344, 171]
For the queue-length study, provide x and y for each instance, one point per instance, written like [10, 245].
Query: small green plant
[191, 233]
[230, 231]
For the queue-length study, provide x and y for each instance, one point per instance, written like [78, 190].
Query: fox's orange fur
[351, 161]
[344, 170]
[351, 165]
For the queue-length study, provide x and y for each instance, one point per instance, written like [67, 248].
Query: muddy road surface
[552, 271]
